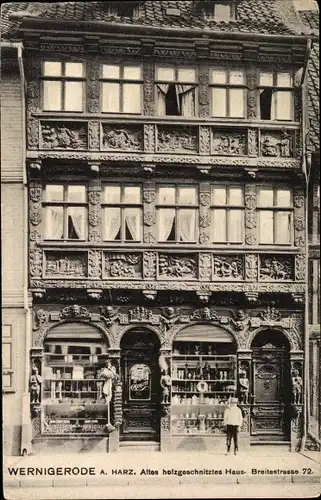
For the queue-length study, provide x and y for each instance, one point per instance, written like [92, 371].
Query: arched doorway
[140, 374]
[271, 383]
[72, 399]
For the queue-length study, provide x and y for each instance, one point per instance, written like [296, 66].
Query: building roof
[311, 21]
[254, 16]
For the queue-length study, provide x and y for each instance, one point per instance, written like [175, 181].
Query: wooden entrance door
[271, 399]
[141, 387]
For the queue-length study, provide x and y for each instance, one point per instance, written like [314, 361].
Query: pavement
[155, 474]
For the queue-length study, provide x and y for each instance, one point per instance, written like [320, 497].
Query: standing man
[233, 421]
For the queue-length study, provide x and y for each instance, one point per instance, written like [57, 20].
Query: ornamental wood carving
[33, 102]
[228, 143]
[93, 86]
[204, 140]
[228, 268]
[276, 267]
[63, 135]
[123, 265]
[251, 267]
[278, 143]
[300, 267]
[35, 263]
[127, 138]
[205, 266]
[59, 264]
[149, 264]
[252, 142]
[94, 135]
[177, 139]
[148, 89]
[149, 138]
[94, 263]
[177, 266]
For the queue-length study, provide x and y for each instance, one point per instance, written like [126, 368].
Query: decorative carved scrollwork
[149, 264]
[94, 263]
[35, 263]
[149, 138]
[251, 267]
[149, 195]
[205, 313]
[300, 267]
[94, 135]
[205, 266]
[75, 311]
[204, 140]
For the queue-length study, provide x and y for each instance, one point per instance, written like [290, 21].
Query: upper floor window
[121, 88]
[177, 209]
[276, 95]
[176, 91]
[122, 213]
[228, 92]
[65, 212]
[219, 10]
[227, 204]
[63, 86]
[275, 214]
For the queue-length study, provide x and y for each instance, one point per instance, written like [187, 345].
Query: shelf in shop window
[202, 380]
[195, 418]
[62, 379]
[184, 405]
[197, 392]
[214, 356]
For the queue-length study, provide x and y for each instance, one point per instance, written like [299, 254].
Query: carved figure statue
[109, 375]
[244, 385]
[297, 384]
[285, 145]
[35, 385]
[165, 383]
[269, 148]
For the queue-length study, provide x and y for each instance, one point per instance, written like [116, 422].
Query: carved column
[252, 142]
[252, 83]
[94, 135]
[93, 87]
[204, 140]
[165, 365]
[205, 214]
[149, 88]
[94, 211]
[299, 218]
[117, 402]
[250, 215]
[35, 229]
[244, 370]
[149, 138]
[33, 101]
[149, 212]
[297, 402]
[251, 267]
[203, 91]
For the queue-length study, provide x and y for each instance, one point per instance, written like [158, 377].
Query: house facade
[165, 153]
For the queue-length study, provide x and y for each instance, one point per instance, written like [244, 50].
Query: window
[219, 11]
[7, 358]
[122, 213]
[121, 88]
[176, 91]
[276, 96]
[123, 9]
[227, 214]
[65, 212]
[63, 86]
[275, 215]
[177, 213]
[228, 93]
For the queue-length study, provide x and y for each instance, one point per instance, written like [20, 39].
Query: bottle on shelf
[198, 371]
[186, 371]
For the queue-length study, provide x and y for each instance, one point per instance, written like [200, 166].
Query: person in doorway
[233, 421]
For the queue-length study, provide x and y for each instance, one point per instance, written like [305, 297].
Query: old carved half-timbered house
[164, 266]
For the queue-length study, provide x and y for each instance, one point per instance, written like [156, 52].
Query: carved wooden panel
[252, 80]
[251, 267]
[299, 218]
[228, 143]
[252, 142]
[204, 214]
[93, 86]
[149, 138]
[277, 143]
[276, 267]
[148, 89]
[123, 265]
[94, 135]
[63, 135]
[180, 267]
[250, 215]
[228, 268]
[177, 139]
[33, 70]
[122, 137]
[204, 140]
[203, 91]
[63, 264]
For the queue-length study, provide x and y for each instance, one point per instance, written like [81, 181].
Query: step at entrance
[139, 446]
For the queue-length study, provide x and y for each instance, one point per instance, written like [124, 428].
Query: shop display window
[203, 381]
[72, 387]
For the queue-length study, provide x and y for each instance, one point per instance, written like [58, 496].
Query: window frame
[121, 81]
[8, 371]
[228, 86]
[177, 207]
[122, 206]
[63, 79]
[275, 209]
[275, 90]
[228, 208]
[176, 81]
[65, 204]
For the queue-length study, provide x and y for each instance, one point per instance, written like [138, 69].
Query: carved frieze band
[250, 215]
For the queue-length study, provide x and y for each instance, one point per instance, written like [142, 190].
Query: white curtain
[187, 225]
[166, 221]
[184, 95]
[77, 216]
[112, 223]
[132, 221]
[54, 223]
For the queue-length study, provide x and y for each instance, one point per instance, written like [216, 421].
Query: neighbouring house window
[63, 86]
[228, 93]
[66, 214]
[276, 95]
[7, 359]
[122, 213]
[227, 205]
[176, 91]
[121, 88]
[275, 215]
[177, 210]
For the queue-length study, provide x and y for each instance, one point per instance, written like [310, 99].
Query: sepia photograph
[160, 249]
